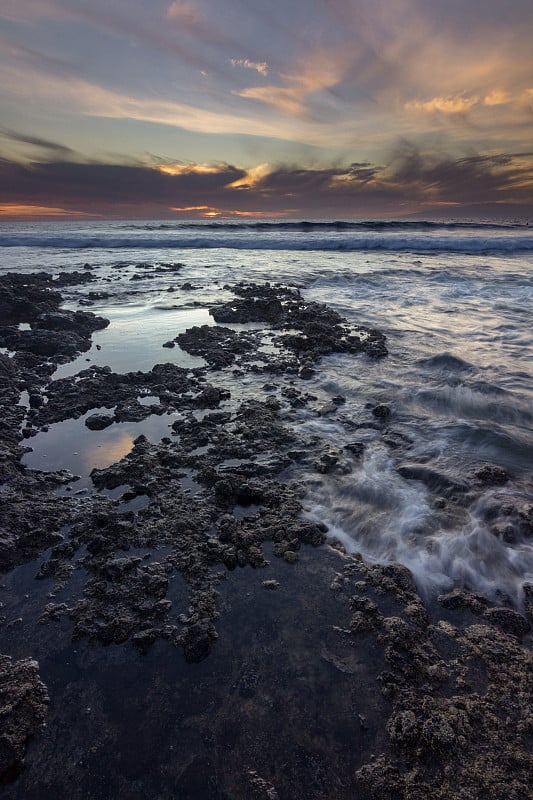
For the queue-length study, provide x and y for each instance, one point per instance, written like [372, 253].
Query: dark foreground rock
[52, 333]
[448, 683]
[23, 702]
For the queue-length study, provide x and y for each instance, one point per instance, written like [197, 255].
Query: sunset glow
[188, 169]
[432, 103]
[21, 211]
[207, 211]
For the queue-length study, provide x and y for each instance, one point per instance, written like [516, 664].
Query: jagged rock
[23, 702]
[509, 620]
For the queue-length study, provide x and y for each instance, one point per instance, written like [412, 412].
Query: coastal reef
[185, 627]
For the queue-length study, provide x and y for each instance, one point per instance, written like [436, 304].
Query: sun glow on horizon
[22, 210]
[223, 213]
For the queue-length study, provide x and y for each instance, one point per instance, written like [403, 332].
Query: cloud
[30, 10]
[60, 150]
[463, 104]
[497, 97]
[183, 19]
[225, 213]
[91, 99]
[357, 173]
[444, 105]
[489, 179]
[254, 176]
[411, 180]
[287, 100]
[14, 210]
[348, 78]
[321, 71]
[451, 78]
[261, 66]
[73, 95]
[191, 208]
[185, 13]
[175, 32]
[92, 187]
[191, 169]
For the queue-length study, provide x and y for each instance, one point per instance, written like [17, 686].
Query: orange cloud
[211, 211]
[252, 178]
[322, 70]
[191, 208]
[445, 105]
[190, 169]
[20, 210]
[497, 97]
[288, 101]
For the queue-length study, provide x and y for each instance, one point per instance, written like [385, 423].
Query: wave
[427, 244]
[329, 225]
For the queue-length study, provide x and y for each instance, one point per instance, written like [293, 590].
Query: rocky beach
[266, 400]
[178, 623]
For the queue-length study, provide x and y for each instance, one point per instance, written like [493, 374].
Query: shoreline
[440, 676]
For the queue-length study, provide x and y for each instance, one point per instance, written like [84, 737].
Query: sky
[239, 108]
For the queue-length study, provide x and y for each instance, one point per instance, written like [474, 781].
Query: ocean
[455, 302]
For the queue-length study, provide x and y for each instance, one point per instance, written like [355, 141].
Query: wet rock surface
[448, 683]
[268, 668]
[312, 328]
[53, 333]
[23, 702]
[303, 332]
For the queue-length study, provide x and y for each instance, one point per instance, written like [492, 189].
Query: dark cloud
[363, 172]
[60, 150]
[410, 181]
[473, 179]
[111, 189]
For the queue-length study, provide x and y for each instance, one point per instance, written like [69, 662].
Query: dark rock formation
[23, 702]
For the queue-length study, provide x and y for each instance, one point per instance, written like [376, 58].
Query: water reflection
[102, 455]
[72, 446]
[134, 340]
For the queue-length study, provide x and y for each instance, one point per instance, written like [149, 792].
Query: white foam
[375, 512]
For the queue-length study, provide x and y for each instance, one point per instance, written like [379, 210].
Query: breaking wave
[297, 239]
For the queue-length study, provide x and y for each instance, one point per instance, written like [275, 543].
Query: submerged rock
[381, 411]
[491, 474]
[437, 481]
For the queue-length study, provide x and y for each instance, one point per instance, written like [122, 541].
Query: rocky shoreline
[416, 699]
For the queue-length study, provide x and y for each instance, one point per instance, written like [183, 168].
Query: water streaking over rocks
[267, 503]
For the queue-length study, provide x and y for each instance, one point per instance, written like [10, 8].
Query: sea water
[455, 301]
